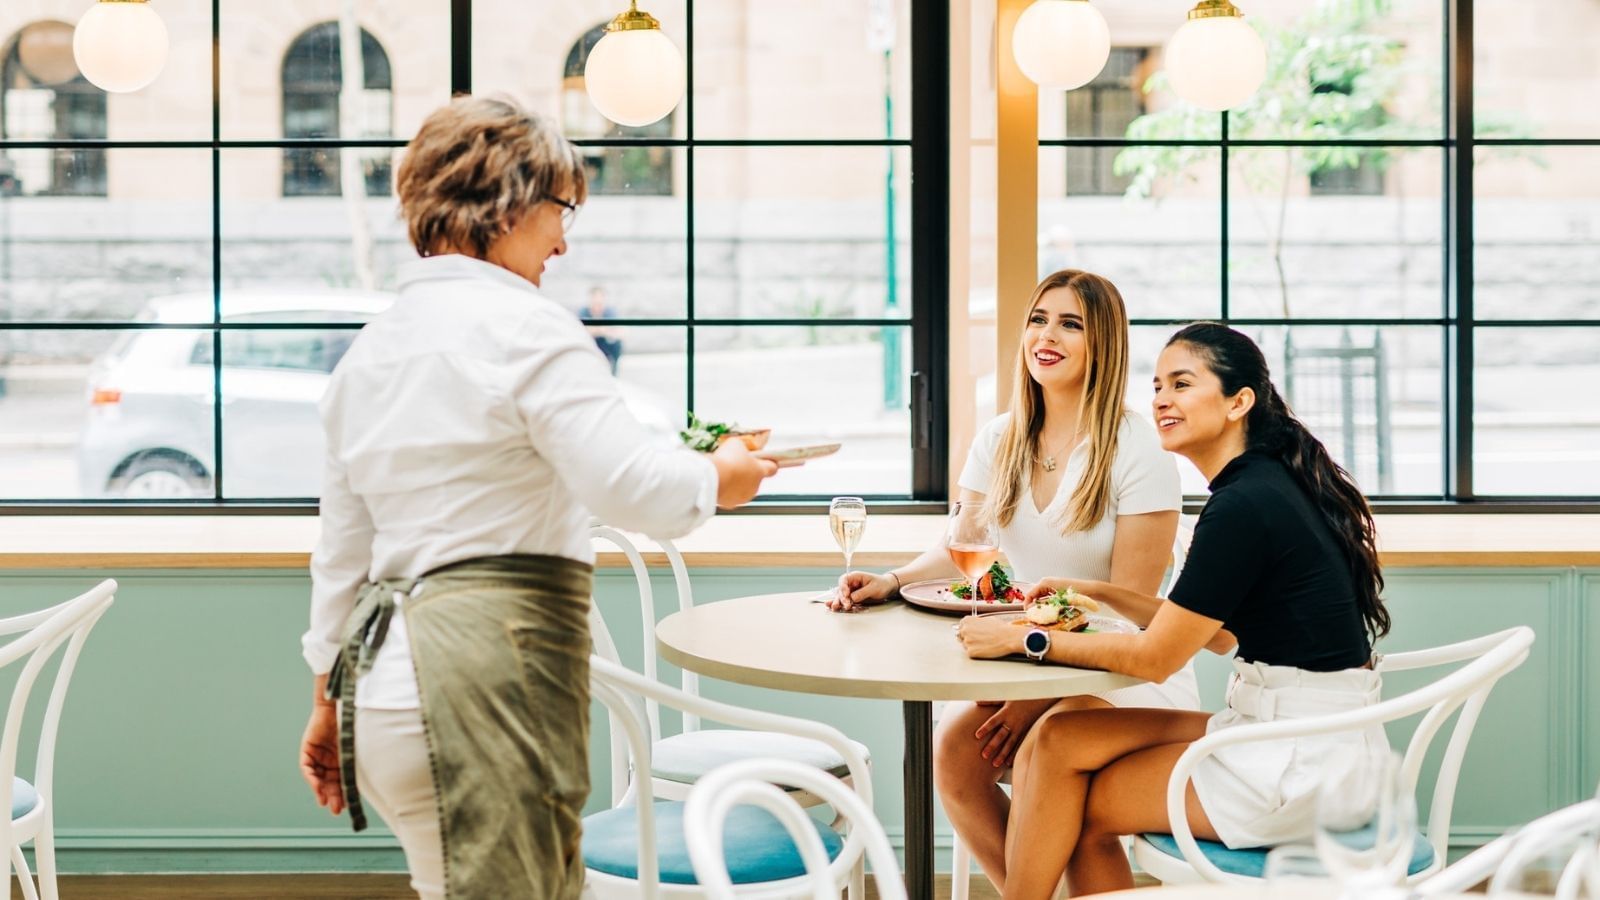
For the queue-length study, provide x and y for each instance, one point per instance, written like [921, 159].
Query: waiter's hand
[739, 474]
[319, 753]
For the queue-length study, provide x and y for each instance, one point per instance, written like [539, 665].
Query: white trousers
[396, 779]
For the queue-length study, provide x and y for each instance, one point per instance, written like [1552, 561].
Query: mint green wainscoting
[1585, 676]
[179, 741]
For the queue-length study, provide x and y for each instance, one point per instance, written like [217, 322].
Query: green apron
[501, 648]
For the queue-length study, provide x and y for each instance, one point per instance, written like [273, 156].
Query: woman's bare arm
[1173, 638]
[1140, 553]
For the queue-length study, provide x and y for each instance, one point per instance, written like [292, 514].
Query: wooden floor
[299, 887]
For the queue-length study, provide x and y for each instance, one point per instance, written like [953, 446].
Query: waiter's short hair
[476, 167]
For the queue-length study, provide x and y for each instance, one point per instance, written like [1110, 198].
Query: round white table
[888, 652]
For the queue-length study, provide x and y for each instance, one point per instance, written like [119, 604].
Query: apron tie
[364, 634]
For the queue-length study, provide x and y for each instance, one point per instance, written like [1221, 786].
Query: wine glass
[970, 538]
[847, 517]
[1289, 868]
[1548, 858]
[1366, 823]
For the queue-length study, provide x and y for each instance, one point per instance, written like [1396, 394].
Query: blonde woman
[1076, 483]
[471, 432]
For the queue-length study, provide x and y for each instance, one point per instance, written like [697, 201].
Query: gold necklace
[1049, 461]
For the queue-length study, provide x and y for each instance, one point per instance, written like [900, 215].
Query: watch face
[1036, 642]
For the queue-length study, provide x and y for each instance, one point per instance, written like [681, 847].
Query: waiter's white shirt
[477, 418]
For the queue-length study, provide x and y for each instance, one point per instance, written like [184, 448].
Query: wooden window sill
[270, 542]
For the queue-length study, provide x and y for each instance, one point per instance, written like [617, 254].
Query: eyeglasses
[569, 211]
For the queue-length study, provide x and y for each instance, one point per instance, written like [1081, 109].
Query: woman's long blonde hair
[1105, 383]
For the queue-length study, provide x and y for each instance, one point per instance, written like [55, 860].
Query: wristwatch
[1036, 643]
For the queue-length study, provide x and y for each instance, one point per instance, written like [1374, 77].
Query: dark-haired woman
[1284, 564]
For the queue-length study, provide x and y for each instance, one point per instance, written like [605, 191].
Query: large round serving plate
[936, 595]
[1097, 623]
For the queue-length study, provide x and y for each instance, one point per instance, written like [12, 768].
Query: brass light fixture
[634, 74]
[1216, 60]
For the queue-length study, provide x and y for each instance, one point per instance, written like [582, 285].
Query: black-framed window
[1404, 234]
[1468, 278]
[183, 325]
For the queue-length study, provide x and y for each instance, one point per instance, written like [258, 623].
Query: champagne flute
[1365, 832]
[971, 541]
[847, 517]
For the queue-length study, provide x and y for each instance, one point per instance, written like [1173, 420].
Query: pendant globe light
[120, 45]
[1061, 44]
[634, 74]
[1216, 60]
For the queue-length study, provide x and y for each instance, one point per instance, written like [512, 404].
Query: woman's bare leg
[1049, 799]
[968, 784]
[1127, 797]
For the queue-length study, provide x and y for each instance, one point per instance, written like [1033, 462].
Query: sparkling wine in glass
[847, 517]
[970, 538]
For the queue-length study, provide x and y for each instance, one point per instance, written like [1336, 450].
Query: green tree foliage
[1334, 75]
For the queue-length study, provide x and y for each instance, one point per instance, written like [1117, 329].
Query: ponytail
[1272, 428]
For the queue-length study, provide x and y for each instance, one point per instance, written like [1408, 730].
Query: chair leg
[24, 877]
[44, 856]
[857, 889]
[960, 870]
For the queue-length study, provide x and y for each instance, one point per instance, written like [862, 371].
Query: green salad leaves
[704, 435]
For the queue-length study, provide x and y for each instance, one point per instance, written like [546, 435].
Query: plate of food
[996, 593]
[707, 435]
[1068, 610]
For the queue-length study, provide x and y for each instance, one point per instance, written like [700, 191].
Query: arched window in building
[312, 79]
[612, 170]
[44, 97]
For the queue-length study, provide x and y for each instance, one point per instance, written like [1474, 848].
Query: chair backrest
[1573, 829]
[1180, 555]
[1466, 689]
[754, 782]
[624, 693]
[43, 633]
[605, 644]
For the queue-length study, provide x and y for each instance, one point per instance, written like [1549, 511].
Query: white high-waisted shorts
[1181, 691]
[1264, 793]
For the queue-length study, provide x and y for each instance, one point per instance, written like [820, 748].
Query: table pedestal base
[919, 799]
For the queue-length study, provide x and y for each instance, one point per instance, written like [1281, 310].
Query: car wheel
[162, 478]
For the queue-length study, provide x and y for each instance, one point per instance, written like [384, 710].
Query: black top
[1265, 563]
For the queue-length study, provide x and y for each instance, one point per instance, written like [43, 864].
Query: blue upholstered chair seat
[23, 798]
[757, 847]
[1251, 862]
[683, 758]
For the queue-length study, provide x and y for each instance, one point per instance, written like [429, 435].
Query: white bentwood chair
[32, 804]
[679, 760]
[638, 847]
[1179, 857]
[1574, 829]
[711, 805]
[960, 856]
